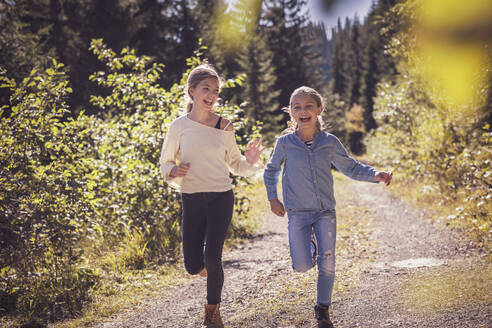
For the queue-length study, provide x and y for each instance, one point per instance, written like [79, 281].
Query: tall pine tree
[284, 24]
[337, 59]
[352, 63]
[376, 64]
[316, 60]
[259, 89]
[167, 31]
[255, 60]
[359, 63]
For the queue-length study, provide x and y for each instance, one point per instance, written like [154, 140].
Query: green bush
[43, 215]
[422, 142]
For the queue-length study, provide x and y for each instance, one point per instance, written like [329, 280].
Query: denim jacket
[307, 182]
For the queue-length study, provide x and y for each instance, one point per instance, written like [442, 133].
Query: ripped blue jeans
[301, 225]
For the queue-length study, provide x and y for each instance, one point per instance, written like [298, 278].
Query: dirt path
[412, 252]
[387, 255]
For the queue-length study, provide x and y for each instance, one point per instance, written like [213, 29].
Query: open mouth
[304, 119]
[208, 103]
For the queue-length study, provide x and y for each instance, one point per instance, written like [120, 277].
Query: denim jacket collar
[317, 136]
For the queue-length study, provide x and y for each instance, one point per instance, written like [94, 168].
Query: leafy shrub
[42, 210]
[420, 140]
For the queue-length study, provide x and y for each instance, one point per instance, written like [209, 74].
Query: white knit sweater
[211, 152]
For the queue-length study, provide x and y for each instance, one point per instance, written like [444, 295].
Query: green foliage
[71, 187]
[468, 175]
[43, 212]
[420, 140]
[334, 115]
[137, 112]
[426, 137]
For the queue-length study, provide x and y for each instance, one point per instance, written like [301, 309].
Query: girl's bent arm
[272, 171]
[350, 167]
[169, 151]
[238, 165]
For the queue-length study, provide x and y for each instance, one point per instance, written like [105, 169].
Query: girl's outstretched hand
[384, 177]
[277, 207]
[255, 148]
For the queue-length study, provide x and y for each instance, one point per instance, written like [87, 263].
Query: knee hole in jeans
[302, 268]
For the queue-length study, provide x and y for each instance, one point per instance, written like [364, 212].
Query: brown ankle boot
[212, 317]
[323, 316]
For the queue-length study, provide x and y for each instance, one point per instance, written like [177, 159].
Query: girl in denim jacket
[307, 154]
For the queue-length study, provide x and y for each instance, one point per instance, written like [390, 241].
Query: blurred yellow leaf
[453, 40]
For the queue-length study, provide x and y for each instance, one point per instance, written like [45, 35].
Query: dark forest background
[283, 51]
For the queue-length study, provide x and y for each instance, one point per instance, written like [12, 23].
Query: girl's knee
[213, 263]
[298, 267]
[193, 268]
[326, 263]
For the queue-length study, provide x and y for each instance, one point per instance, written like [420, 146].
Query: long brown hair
[199, 73]
[292, 125]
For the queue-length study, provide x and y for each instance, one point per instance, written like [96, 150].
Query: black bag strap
[217, 126]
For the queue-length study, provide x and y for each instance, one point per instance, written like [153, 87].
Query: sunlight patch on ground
[418, 262]
[445, 288]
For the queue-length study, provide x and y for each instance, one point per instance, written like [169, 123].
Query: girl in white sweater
[198, 153]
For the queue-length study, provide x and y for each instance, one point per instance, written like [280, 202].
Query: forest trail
[394, 269]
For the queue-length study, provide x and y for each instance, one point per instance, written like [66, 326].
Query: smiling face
[305, 110]
[205, 94]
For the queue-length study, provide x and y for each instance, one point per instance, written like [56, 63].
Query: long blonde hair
[199, 73]
[292, 125]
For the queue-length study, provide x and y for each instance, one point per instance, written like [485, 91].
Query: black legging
[206, 218]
